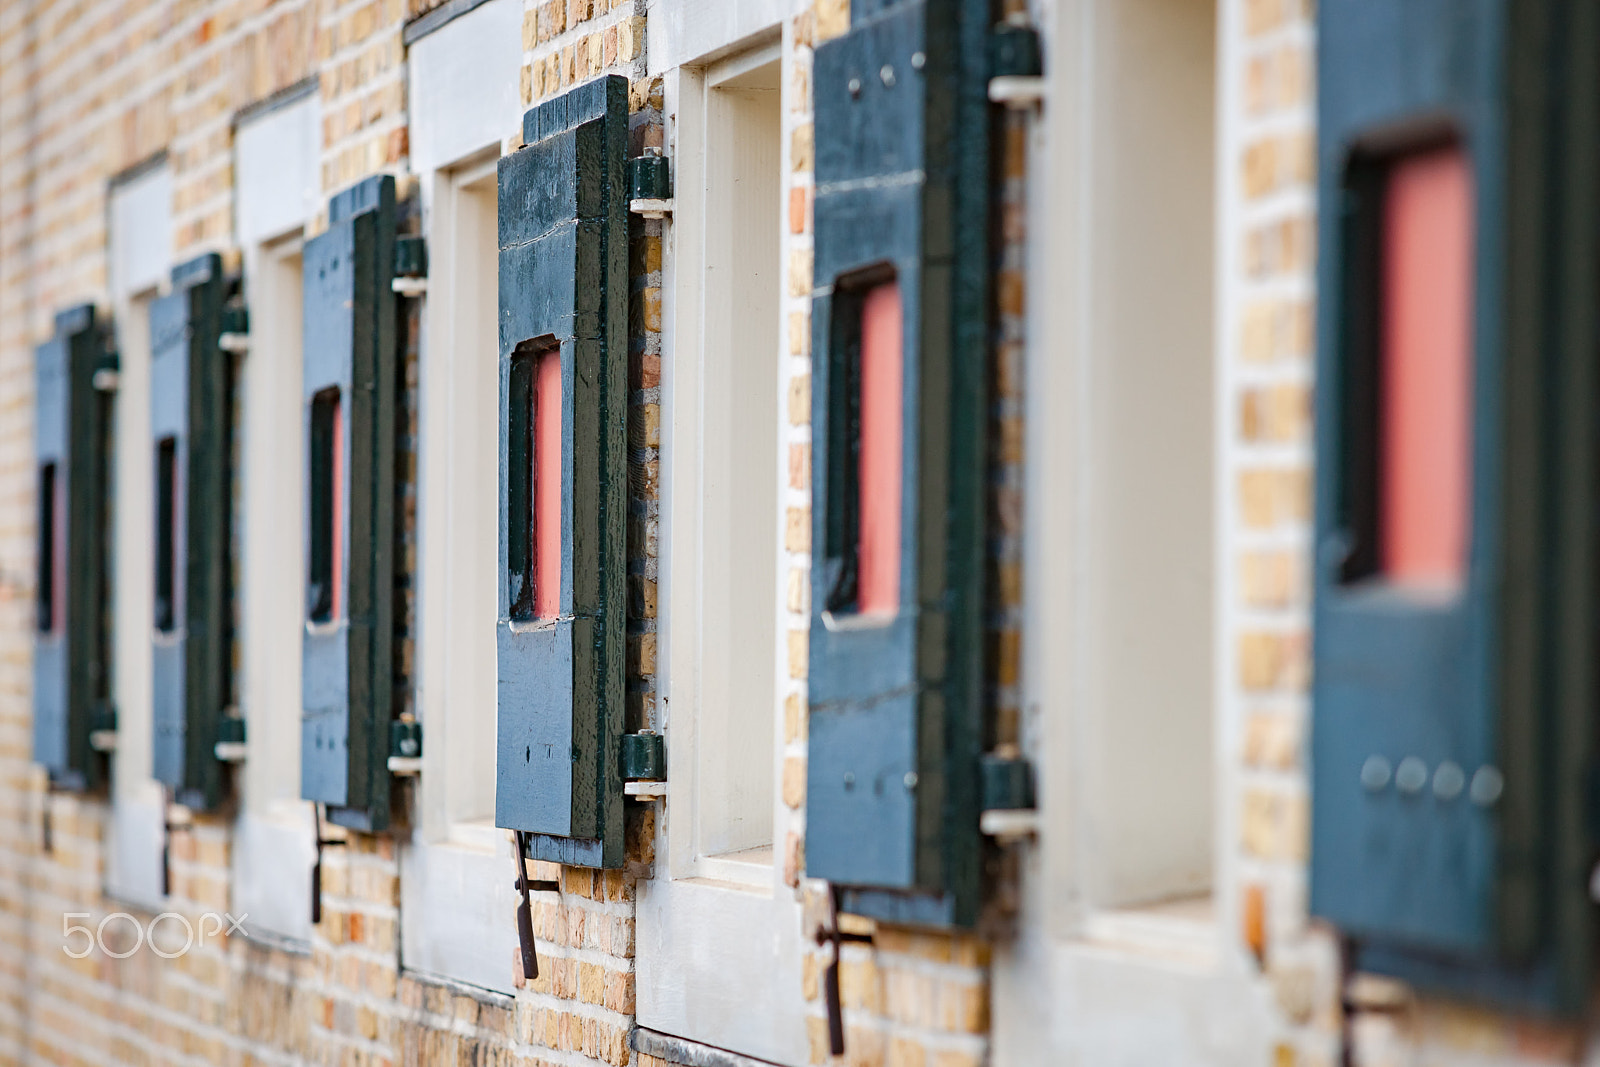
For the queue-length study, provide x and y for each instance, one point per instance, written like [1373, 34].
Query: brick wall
[91, 87]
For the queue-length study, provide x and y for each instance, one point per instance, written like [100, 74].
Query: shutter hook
[169, 824]
[830, 977]
[316, 868]
[530, 955]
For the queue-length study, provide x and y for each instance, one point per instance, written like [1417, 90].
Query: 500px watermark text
[162, 933]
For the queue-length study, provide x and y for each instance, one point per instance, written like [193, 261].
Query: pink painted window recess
[1425, 369]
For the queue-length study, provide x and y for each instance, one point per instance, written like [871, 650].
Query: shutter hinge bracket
[410, 266]
[230, 746]
[1016, 66]
[1008, 811]
[103, 728]
[650, 185]
[405, 746]
[644, 766]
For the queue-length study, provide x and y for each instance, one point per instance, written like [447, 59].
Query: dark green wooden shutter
[902, 180]
[70, 660]
[190, 419]
[564, 285]
[350, 371]
[1452, 733]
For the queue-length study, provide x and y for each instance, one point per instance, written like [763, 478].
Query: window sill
[1178, 931]
[749, 868]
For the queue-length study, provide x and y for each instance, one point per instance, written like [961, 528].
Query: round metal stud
[887, 74]
[854, 87]
[849, 780]
[1375, 774]
[911, 779]
[918, 60]
[1411, 775]
[1487, 785]
[1448, 780]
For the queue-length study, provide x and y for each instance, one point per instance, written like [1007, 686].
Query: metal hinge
[650, 185]
[1008, 811]
[644, 765]
[235, 335]
[410, 266]
[1016, 65]
[405, 746]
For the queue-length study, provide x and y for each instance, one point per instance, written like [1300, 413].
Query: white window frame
[1149, 983]
[277, 164]
[140, 211]
[458, 908]
[457, 904]
[719, 937]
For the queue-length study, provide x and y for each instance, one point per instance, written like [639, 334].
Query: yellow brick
[800, 272]
[794, 781]
[794, 719]
[798, 653]
[797, 530]
[800, 400]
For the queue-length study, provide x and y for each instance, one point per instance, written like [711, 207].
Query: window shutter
[350, 372]
[900, 319]
[563, 476]
[190, 422]
[70, 677]
[1454, 614]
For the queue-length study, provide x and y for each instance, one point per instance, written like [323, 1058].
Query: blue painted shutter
[896, 715]
[564, 284]
[190, 420]
[351, 362]
[70, 660]
[1451, 737]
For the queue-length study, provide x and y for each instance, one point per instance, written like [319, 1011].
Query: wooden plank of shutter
[70, 660]
[563, 476]
[190, 419]
[902, 263]
[1453, 683]
[350, 370]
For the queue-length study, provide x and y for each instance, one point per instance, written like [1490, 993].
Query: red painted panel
[336, 513]
[882, 372]
[1426, 372]
[547, 485]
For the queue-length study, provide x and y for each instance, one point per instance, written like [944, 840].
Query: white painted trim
[457, 908]
[719, 950]
[1081, 984]
[684, 32]
[141, 235]
[140, 254]
[464, 85]
[273, 849]
[277, 162]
